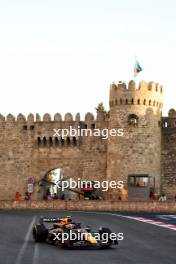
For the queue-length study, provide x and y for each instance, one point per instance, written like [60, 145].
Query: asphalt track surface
[143, 243]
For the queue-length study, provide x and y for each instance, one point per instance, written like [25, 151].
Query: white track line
[140, 219]
[26, 240]
[153, 222]
[36, 254]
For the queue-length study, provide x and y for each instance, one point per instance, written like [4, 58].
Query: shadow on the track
[89, 248]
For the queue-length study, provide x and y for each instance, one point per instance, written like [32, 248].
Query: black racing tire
[40, 233]
[108, 244]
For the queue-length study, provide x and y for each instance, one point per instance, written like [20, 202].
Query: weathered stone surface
[139, 150]
[157, 207]
[28, 147]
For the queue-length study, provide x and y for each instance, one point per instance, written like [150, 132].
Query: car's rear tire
[103, 244]
[40, 233]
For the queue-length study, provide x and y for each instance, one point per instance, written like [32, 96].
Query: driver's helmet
[65, 220]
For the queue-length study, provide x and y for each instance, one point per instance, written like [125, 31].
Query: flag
[137, 68]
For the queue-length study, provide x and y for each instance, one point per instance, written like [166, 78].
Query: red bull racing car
[63, 232]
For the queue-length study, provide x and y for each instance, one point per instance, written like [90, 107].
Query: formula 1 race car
[64, 232]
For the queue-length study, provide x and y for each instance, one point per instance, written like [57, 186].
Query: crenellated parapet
[21, 119]
[169, 121]
[2, 120]
[68, 117]
[77, 117]
[147, 94]
[32, 120]
[46, 117]
[57, 117]
[89, 117]
[39, 131]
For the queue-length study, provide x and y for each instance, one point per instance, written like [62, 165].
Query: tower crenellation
[147, 94]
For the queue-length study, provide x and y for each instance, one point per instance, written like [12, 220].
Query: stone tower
[135, 157]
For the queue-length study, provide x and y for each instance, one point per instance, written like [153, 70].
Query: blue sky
[61, 56]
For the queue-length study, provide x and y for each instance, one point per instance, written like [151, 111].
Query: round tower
[135, 157]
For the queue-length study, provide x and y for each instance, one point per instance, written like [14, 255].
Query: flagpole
[134, 73]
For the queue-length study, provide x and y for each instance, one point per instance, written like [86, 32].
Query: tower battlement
[169, 121]
[46, 118]
[148, 94]
[44, 125]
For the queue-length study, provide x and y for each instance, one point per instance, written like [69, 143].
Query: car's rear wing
[52, 219]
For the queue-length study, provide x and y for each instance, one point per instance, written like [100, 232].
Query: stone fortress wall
[168, 157]
[28, 148]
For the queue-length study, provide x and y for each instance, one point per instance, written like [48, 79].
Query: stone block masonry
[146, 151]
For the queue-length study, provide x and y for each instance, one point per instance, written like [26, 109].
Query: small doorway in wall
[138, 187]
